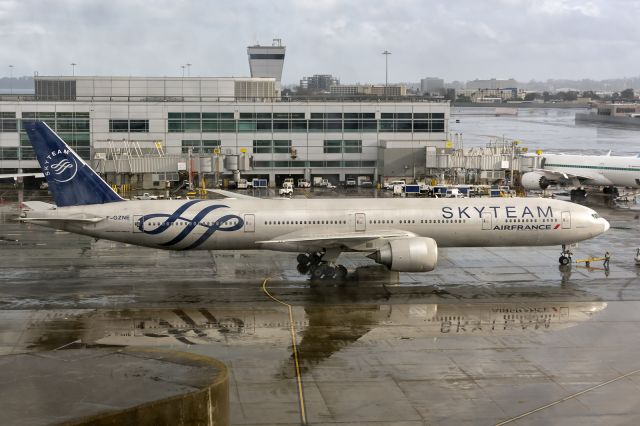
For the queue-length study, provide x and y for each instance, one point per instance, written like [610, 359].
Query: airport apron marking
[191, 224]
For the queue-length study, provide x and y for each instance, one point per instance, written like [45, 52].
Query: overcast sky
[454, 39]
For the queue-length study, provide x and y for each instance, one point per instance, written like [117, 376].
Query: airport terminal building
[150, 130]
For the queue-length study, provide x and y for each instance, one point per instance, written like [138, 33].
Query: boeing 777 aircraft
[403, 234]
[577, 170]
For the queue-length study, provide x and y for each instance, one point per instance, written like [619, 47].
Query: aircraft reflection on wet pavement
[323, 329]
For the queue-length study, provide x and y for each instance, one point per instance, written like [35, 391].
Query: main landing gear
[317, 268]
[565, 256]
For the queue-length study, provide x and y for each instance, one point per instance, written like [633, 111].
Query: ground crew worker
[607, 256]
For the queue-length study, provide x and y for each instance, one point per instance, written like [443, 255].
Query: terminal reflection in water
[322, 330]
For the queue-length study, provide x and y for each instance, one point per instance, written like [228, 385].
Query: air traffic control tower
[267, 61]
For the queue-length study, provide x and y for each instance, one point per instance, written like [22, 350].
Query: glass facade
[334, 146]
[265, 146]
[197, 146]
[72, 127]
[8, 122]
[259, 164]
[206, 122]
[295, 122]
[129, 126]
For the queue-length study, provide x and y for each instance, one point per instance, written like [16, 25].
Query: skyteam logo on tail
[61, 166]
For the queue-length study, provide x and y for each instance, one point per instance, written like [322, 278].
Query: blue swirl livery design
[198, 222]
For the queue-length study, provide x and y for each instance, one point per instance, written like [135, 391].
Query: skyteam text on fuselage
[403, 234]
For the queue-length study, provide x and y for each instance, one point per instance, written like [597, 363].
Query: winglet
[72, 182]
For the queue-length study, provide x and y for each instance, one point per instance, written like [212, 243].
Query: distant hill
[24, 82]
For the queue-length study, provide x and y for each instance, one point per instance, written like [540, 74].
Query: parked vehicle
[242, 184]
[303, 183]
[393, 183]
[350, 183]
[257, 183]
[286, 190]
[146, 196]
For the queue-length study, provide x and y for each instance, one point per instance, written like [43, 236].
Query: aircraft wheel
[303, 259]
[316, 272]
[303, 268]
[328, 272]
[341, 272]
[314, 259]
[564, 260]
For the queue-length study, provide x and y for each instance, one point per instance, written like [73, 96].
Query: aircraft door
[361, 222]
[249, 223]
[566, 220]
[486, 221]
[138, 220]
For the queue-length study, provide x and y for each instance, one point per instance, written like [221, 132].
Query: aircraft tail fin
[72, 182]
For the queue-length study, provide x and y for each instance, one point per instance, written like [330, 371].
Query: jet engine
[535, 180]
[415, 254]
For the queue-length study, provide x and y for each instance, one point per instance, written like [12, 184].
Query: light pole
[386, 54]
[73, 69]
[182, 66]
[11, 79]
[188, 70]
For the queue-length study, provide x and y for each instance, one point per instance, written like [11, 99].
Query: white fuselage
[243, 224]
[597, 170]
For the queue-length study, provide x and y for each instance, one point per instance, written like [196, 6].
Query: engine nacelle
[416, 254]
[535, 180]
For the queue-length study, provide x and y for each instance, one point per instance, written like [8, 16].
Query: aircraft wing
[554, 174]
[584, 176]
[343, 241]
[62, 219]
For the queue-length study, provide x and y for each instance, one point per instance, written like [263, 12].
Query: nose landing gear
[317, 268]
[565, 256]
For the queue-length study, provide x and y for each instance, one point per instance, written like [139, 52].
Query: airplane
[578, 170]
[402, 234]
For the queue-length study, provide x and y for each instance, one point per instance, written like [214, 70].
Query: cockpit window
[595, 215]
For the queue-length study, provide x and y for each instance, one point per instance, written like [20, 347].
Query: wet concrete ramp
[107, 386]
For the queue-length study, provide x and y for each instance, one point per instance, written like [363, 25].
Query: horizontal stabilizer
[61, 219]
[38, 205]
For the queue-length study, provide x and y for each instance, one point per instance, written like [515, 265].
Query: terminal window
[197, 146]
[339, 146]
[265, 146]
[129, 126]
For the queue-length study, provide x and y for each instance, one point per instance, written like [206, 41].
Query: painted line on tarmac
[566, 398]
[303, 414]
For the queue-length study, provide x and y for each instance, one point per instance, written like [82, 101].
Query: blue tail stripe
[71, 180]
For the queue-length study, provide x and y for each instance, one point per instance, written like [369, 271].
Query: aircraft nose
[606, 225]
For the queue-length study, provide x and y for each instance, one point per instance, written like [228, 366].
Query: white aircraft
[403, 234]
[578, 170]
